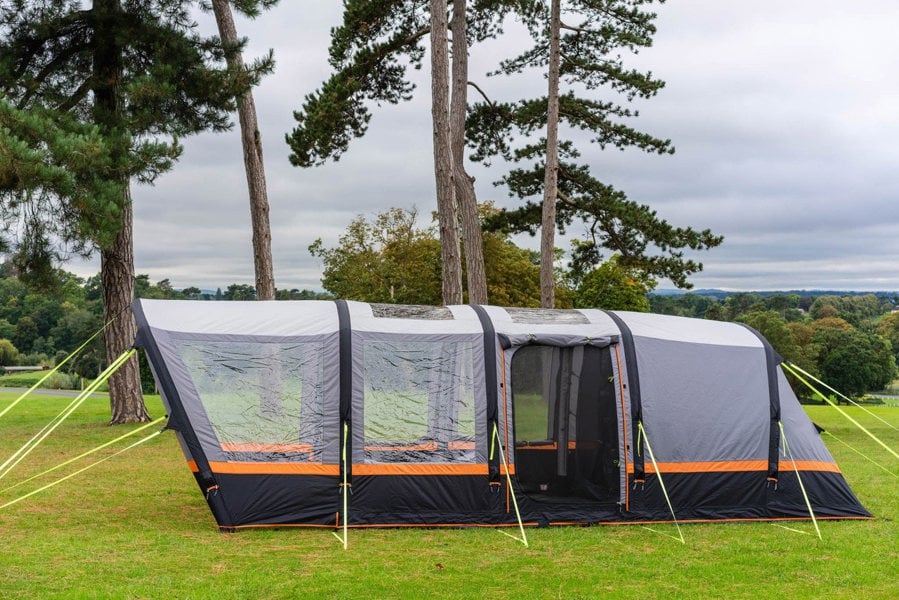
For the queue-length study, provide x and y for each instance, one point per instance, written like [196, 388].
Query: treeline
[41, 327]
[851, 341]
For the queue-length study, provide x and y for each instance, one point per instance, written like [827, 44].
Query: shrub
[61, 381]
[34, 359]
[8, 353]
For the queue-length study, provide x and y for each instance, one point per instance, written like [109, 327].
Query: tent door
[565, 423]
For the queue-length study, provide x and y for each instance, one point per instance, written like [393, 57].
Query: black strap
[491, 382]
[345, 346]
[633, 386]
[772, 360]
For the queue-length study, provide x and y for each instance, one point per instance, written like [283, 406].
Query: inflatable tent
[430, 413]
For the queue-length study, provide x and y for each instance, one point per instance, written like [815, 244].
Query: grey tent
[430, 413]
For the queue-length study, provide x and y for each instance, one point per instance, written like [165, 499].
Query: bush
[34, 359]
[9, 355]
[61, 381]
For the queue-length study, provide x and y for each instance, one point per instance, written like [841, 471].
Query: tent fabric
[259, 394]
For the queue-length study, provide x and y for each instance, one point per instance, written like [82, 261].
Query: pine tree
[371, 52]
[578, 44]
[448, 215]
[251, 140]
[125, 79]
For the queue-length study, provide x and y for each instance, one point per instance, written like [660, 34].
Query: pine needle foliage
[93, 98]
[594, 113]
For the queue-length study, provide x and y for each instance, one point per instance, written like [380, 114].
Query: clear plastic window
[264, 400]
[418, 401]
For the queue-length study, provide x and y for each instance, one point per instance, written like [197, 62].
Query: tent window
[418, 401]
[263, 400]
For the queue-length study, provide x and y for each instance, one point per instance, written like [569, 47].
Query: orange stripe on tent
[809, 465]
[261, 447]
[550, 446]
[286, 468]
[460, 445]
[270, 468]
[726, 466]
[425, 447]
[419, 469]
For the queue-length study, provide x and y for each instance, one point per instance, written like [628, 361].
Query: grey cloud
[783, 115]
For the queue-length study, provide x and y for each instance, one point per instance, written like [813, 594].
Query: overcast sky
[785, 117]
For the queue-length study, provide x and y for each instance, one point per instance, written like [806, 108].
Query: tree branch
[48, 70]
[565, 198]
[481, 92]
[77, 96]
[577, 29]
[35, 43]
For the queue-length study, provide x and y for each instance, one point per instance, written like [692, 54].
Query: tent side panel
[149, 340]
[426, 500]
[257, 500]
[701, 496]
[252, 411]
[419, 425]
[744, 495]
[803, 439]
[703, 402]
[828, 492]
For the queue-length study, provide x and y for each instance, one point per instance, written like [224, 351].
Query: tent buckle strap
[772, 482]
[640, 482]
[212, 490]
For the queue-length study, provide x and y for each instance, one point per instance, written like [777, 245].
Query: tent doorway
[565, 424]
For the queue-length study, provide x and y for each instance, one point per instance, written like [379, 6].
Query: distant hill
[722, 294]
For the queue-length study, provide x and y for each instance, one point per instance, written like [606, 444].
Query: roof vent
[536, 316]
[406, 311]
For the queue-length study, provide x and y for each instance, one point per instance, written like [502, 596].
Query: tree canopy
[595, 88]
[91, 98]
[612, 286]
[391, 259]
[371, 53]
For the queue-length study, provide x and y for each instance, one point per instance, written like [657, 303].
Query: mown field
[137, 527]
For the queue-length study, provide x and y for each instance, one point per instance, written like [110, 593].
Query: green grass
[531, 417]
[26, 379]
[137, 527]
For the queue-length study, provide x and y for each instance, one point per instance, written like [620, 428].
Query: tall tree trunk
[443, 159]
[116, 261]
[464, 184]
[551, 176]
[117, 275]
[253, 164]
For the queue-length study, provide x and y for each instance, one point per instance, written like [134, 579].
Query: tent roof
[311, 317]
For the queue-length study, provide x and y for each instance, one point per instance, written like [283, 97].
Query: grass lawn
[137, 527]
[26, 379]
